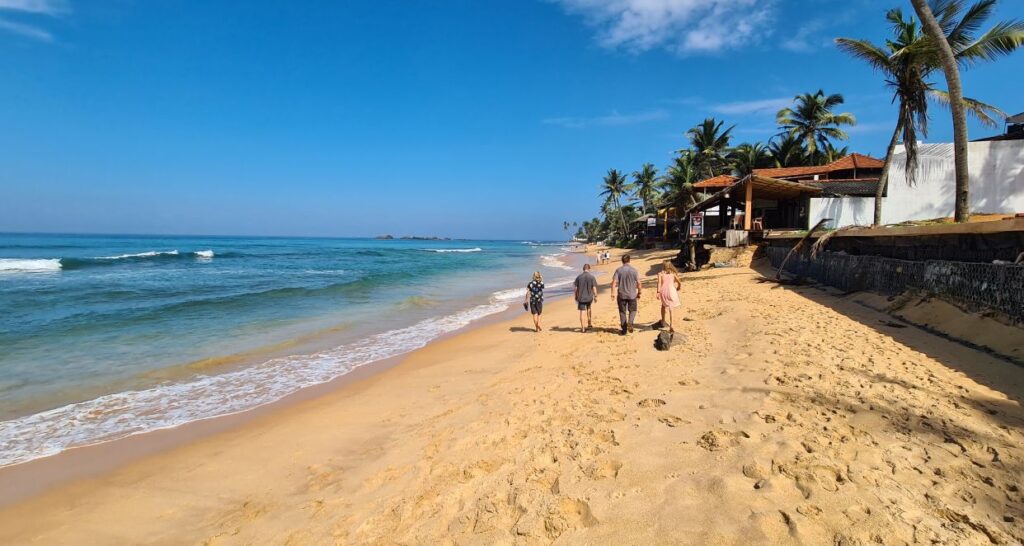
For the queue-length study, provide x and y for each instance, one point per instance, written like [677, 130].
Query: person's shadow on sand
[521, 329]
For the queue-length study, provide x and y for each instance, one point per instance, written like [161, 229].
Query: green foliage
[812, 121]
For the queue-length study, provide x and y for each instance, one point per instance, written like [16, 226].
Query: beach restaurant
[747, 207]
[736, 210]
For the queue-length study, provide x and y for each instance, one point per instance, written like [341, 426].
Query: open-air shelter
[758, 203]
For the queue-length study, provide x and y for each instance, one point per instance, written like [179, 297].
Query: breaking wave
[18, 265]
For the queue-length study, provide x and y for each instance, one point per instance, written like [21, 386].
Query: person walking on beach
[585, 291]
[668, 292]
[626, 287]
[535, 298]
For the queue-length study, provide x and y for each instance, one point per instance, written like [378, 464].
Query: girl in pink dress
[668, 292]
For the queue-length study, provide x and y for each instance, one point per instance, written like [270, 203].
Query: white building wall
[844, 211]
[997, 186]
[997, 181]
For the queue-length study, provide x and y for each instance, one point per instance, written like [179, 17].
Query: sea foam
[133, 412]
[204, 253]
[150, 254]
[18, 265]
[452, 249]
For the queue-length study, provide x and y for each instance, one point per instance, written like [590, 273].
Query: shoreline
[24, 480]
[782, 415]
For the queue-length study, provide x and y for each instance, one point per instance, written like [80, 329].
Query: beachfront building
[996, 170]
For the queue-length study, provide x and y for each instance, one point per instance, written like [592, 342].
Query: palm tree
[908, 60]
[962, 209]
[787, 151]
[643, 185]
[747, 157]
[814, 123]
[613, 187]
[677, 183]
[834, 154]
[710, 146]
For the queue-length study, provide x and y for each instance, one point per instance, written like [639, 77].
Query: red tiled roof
[852, 161]
[788, 172]
[856, 161]
[720, 181]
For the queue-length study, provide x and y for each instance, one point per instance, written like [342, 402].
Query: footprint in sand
[673, 421]
[651, 403]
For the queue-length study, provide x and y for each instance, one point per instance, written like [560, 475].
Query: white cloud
[680, 26]
[611, 120]
[806, 38]
[753, 106]
[30, 8]
[48, 7]
[28, 31]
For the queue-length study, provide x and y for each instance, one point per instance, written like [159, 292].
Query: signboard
[652, 222]
[697, 224]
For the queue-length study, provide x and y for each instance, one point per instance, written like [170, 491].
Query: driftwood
[798, 246]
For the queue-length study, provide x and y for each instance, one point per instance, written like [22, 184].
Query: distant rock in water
[386, 237]
[408, 238]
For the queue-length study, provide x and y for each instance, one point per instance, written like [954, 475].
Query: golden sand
[787, 416]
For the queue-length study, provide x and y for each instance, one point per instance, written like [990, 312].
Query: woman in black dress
[535, 298]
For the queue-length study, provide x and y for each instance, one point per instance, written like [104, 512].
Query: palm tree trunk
[622, 219]
[883, 180]
[962, 211]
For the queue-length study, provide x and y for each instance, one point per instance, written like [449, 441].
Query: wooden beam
[748, 211]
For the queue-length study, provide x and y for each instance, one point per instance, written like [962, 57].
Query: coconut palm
[709, 145]
[612, 188]
[787, 151]
[644, 185]
[747, 157]
[834, 154]
[908, 60]
[677, 183]
[813, 122]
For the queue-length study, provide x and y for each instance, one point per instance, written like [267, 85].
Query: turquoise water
[102, 337]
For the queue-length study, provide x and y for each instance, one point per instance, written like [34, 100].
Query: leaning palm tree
[787, 151]
[612, 188]
[813, 122]
[908, 60]
[709, 144]
[643, 185]
[747, 157]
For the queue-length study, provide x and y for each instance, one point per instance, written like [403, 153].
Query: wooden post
[749, 209]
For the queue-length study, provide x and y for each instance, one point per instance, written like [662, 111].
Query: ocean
[102, 337]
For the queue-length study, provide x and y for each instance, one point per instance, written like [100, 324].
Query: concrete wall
[997, 181]
[844, 211]
[997, 186]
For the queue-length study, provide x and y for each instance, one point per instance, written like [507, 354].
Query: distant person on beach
[668, 292]
[626, 287]
[535, 298]
[585, 291]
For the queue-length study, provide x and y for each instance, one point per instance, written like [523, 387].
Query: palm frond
[867, 52]
[987, 114]
[1002, 39]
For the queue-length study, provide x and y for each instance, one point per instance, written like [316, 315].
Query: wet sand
[788, 415]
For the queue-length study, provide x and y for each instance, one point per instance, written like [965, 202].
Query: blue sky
[463, 118]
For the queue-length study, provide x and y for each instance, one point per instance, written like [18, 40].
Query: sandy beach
[784, 415]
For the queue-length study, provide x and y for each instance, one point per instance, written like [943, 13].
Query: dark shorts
[536, 308]
[584, 305]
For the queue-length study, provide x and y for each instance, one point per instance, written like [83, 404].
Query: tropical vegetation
[812, 131]
[909, 59]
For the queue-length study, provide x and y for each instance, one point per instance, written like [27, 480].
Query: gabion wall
[999, 287]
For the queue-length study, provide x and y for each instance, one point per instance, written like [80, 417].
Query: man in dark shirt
[626, 287]
[585, 290]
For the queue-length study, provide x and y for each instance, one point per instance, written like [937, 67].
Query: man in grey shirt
[585, 290]
[626, 287]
